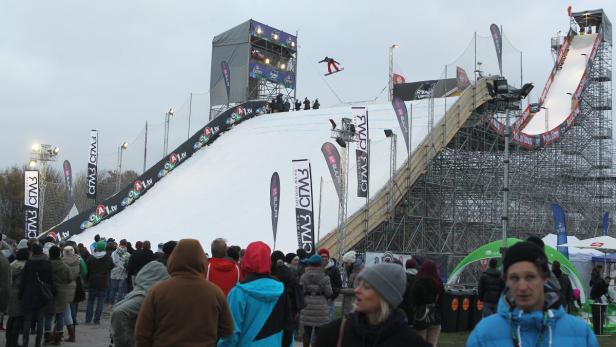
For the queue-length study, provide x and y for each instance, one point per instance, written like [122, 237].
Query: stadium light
[36, 147]
[125, 145]
[282, 66]
[32, 164]
[259, 31]
[168, 116]
[388, 133]
[55, 151]
[267, 61]
[275, 36]
[292, 43]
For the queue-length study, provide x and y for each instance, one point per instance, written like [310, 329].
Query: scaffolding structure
[456, 206]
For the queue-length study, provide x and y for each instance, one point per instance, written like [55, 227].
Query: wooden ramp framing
[405, 176]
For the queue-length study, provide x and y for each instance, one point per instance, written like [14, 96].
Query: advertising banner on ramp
[403, 118]
[462, 79]
[360, 119]
[92, 165]
[332, 158]
[275, 202]
[304, 215]
[31, 203]
[226, 75]
[498, 45]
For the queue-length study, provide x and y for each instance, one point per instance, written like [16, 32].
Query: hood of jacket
[330, 263]
[263, 288]
[99, 254]
[222, 264]
[531, 320]
[188, 258]
[152, 273]
[373, 334]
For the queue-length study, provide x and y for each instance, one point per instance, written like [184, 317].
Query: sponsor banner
[373, 258]
[403, 118]
[304, 215]
[397, 78]
[360, 119]
[31, 203]
[606, 223]
[560, 225]
[498, 45]
[332, 158]
[68, 176]
[226, 75]
[275, 202]
[132, 192]
[258, 70]
[92, 165]
[426, 89]
[276, 36]
[462, 79]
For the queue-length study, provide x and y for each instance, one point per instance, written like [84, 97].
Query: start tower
[251, 61]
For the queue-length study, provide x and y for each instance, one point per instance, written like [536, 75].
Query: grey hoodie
[125, 312]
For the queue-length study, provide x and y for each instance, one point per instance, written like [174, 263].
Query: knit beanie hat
[349, 257]
[22, 244]
[387, 279]
[314, 259]
[54, 252]
[323, 251]
[100, 246]
[525, 251]
[289, 258]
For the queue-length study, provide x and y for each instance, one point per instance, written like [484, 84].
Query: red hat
[257, 258]
[323, 251]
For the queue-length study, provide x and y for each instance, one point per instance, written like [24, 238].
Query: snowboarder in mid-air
[331, 62]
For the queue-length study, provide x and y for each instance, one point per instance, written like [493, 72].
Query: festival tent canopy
[575, 253]
[605, 244]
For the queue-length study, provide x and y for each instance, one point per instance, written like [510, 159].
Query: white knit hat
[349, 257]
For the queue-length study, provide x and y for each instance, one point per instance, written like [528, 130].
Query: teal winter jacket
[259, 310]
[553, 326]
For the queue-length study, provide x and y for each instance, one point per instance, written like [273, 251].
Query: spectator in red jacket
[222, 271]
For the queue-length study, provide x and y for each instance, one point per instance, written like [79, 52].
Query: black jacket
[425, 292]
[37, 264]
[598, 289]
[99, 268]
[335, 279]
[138, 260]
[491, 286]
[393, 332]
[406, 305]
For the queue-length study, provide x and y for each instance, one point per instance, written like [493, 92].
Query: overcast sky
[70, 66]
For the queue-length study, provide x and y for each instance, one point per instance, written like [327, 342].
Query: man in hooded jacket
[125, 312]
[259, 305]
[185, 310]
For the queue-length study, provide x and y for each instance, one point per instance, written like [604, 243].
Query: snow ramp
[207, 189]
[544, 123]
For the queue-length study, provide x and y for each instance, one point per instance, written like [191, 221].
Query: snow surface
[557, 101]
[223, 190]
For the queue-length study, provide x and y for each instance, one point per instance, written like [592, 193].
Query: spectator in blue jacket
[529, 313]
[259, 306]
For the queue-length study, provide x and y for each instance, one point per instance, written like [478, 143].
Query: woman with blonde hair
[375, 321]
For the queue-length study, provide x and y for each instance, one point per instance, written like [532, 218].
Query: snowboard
[333, 72]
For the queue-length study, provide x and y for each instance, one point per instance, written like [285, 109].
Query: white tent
[581, 258]
[605, 244]
[575, 253]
